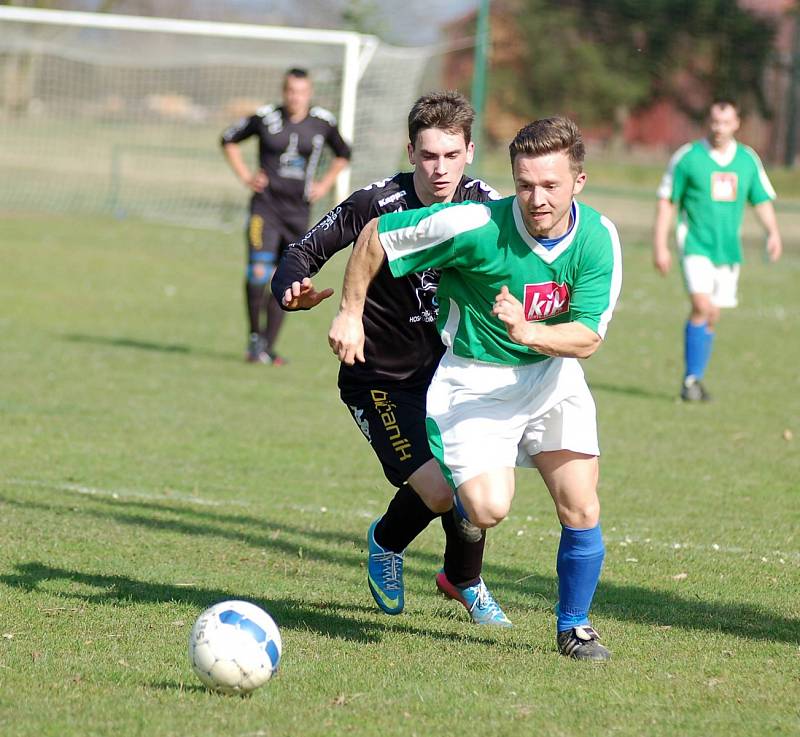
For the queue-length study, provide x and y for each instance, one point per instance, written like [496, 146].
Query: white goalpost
[122, 114]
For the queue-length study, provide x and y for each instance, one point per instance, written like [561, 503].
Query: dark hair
[547, 136]
[449, 111]
[725, 102]
[297, 73]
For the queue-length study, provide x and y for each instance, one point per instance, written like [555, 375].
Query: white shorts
[703, 277]
[488, 416]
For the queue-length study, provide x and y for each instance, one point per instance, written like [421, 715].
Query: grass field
[146, 472]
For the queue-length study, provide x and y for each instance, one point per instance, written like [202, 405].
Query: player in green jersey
[709, 181]
[528, 286]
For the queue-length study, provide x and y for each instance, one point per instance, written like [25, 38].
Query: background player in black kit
[291, 138]
[386, 393]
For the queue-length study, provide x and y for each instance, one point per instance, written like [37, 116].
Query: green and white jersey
[711, 189]
[482, 246]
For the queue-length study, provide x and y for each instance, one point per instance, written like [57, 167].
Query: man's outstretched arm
[292, 283]
[346, 336]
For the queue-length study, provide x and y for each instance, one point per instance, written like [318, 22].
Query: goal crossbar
[108, 113]
[357, 48]
[176, 25]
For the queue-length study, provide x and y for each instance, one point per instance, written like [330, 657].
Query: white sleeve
[664, 191]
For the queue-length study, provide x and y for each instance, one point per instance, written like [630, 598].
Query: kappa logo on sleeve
[544, 300]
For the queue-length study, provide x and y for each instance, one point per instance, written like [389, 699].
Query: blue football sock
[697, 349]
[580, 558]
[707, 346]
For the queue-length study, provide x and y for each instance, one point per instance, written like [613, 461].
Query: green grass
[146, 472]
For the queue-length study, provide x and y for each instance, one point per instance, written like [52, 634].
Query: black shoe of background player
[693, 391]
[582, 643]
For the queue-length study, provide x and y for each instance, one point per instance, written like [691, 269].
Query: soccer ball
[234, 647]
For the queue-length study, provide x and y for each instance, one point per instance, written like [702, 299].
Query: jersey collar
[285, 115]
[547, 255]
[721, 158]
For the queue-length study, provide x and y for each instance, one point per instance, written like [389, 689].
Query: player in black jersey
[291, 138]
[386, 393]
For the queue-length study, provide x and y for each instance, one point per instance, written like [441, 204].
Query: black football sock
[275, 317]
[405, 517]
[255, 296]
[463, 560]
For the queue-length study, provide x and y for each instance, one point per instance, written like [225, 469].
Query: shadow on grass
[633, 391]
[147, 345]
[244, 529]
[514, 586]
[343, 620]
[182, 687]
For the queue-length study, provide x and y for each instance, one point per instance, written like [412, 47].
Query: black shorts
[393, 421]
[267, 235]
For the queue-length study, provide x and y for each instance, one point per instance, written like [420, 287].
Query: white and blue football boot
[477, 600]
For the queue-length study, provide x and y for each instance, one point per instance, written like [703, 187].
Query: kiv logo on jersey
[545, 300]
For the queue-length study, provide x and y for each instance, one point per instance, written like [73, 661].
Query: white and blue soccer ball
[234, 647]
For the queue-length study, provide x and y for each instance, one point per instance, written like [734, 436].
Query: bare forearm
[233, 155]
[664, 212]
[565, 340]
[362, 267]
[346, 336]
[765, 212]
[338, 165]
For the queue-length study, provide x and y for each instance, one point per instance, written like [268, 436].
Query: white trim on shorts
[494, 416]
[701, 276]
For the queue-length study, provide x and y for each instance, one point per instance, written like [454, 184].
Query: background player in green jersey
[528, 286]
[709, 181]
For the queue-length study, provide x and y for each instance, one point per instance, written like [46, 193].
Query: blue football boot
[477, 600]
[385, 575]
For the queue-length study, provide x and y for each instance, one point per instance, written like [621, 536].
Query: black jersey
[289, 153]
[401, 341]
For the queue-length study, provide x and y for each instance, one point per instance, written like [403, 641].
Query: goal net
[122, 115]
